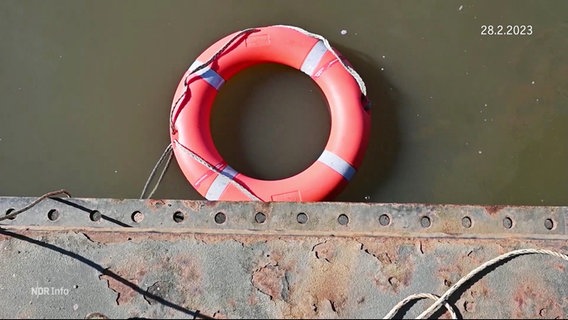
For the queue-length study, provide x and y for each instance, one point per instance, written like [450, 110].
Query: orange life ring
[190, 132]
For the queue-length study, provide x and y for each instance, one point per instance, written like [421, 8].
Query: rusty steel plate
[291, 218]
[73, 258]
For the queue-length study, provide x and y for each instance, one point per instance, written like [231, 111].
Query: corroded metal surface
[318, 218]
[280, 268]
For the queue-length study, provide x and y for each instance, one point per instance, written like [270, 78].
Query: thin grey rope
[167, 154]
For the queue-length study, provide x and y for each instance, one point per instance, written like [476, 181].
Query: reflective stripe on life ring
[208, 74]
[196, 153]
[220, 183]
[313, 58]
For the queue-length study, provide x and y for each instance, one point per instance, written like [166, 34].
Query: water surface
[85, 90]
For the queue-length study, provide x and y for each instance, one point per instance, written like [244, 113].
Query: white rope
[442, 300]
[206, 164]
[420, 296]
[166, 154]
[328, 46]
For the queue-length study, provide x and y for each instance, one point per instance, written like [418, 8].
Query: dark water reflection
[85, 89]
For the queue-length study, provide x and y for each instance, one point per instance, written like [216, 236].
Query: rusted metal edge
[289, 218]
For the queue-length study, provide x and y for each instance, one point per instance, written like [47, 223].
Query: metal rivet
[53, 215]
[260, 217]
[10, 211]
[95, 215]
[178, 216]
[425, 222]
[549, 224]
[220, 218]
[384, 220]
[343, 219]
[137, 216]
[466, 222]
[507, 223]
[302, 218]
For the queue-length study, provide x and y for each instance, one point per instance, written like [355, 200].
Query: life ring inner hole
[270, 121]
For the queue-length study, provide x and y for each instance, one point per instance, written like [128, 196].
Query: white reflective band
[220, 183]
[313, 58]
[208, 74]
[336, 163]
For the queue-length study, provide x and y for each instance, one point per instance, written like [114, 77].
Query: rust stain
[469, 306]
[125, 294]
[133, 270]
[189, 272]
[324, 250]
[451, 227]
[193, 205]
[270, 280]
[220, 238]
[155, 204]
[479, 290]
[178, 277]
[534, 300]
[323, 289]
[397, 262]
[450, 273]
[264, 207]
[271, 277]
[253, 299]
[320, 285]
[110, 237]
[182, 275]
[560, 267]
[492, 210]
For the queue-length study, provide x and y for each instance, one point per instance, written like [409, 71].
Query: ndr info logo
[49, 291]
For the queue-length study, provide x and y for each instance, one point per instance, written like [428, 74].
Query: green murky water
[458, 117]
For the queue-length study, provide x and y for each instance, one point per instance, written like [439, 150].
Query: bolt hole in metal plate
[425, 222]
[260, 217]
[549, 224]
[53, 215]
[507, 223]
[380, 219]
[95, 216]
[302, 218]
[466, 222]
[220, 218]
[343, 219]
[137, 216]
[384, 220]
[178, 216]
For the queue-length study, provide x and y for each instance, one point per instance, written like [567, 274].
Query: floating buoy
[190, 132]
